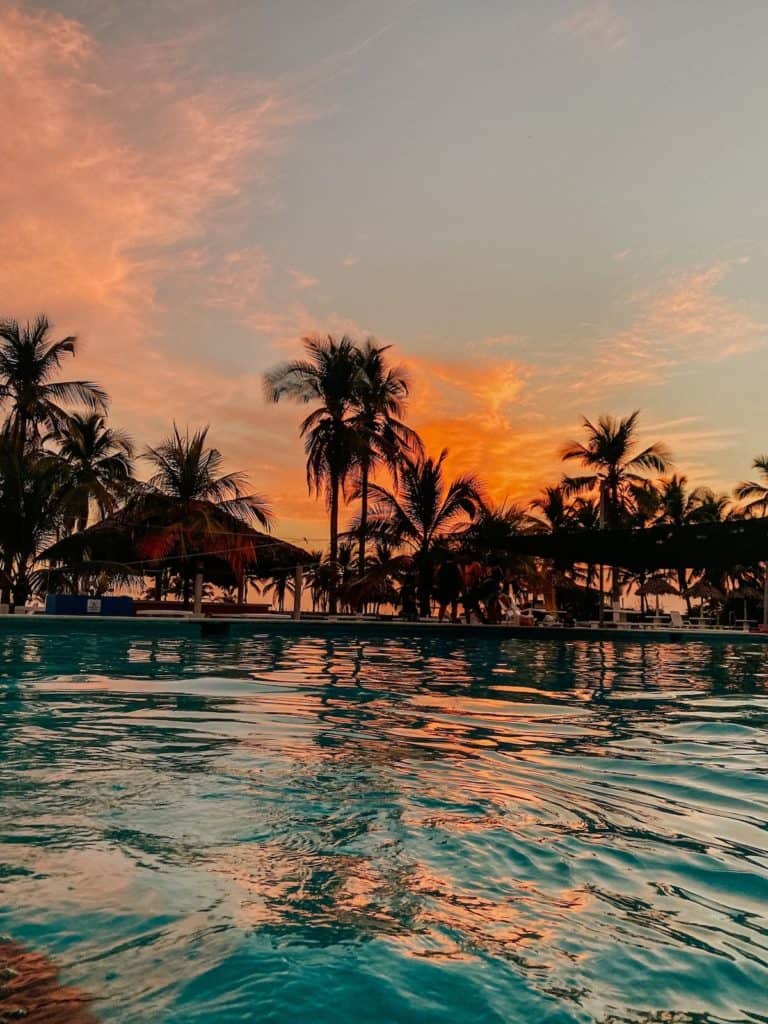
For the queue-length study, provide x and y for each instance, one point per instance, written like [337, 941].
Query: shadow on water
[279, 828]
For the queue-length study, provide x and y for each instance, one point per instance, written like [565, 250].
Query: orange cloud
[475, 410]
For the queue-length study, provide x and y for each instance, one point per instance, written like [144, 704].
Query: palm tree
[101, 460]
[676, 502]
[331, 377]
[585, 515]
[490, 539]
[552, 505]
[281, 584]
[318, 580]
[711, 508]
[755, 493]
[28, 363]
[424, 512]
[617, 467]
[384, 438]
[680, 507]
[33, 491]
[187, 471]
[611, 453]
[189, 505]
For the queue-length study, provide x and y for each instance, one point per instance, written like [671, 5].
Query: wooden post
[198, 605]
[603, 516]
[298, 584]
[241, 590]
[765, 596]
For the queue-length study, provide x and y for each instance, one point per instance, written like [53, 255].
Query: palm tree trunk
[681, 586]
[363, 518]
[5, 590]
[21, 431]
[424, 584]
[21, 584]
[334, 545]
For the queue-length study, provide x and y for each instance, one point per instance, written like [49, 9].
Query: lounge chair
[676, 620]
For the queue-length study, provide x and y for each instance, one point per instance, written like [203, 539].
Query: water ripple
[275, 828]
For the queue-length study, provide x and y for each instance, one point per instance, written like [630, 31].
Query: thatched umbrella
[656, 585]
[745, 593]
[703, 591]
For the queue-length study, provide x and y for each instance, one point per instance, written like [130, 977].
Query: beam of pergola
[705, 546]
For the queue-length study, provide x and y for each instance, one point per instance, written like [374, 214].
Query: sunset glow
[539, 206]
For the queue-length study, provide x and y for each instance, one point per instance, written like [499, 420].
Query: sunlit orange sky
[549, 209]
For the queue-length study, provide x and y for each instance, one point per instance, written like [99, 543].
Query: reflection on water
[404, 829]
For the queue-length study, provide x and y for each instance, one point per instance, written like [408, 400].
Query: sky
[549, 209]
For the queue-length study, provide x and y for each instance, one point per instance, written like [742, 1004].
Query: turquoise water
[388, 830]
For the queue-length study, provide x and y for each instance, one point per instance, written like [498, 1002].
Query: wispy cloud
[598, 24]
[503, 341]
[684, 323]
[110, 182]
[302, 280]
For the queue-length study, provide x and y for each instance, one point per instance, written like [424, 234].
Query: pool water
[400, 829]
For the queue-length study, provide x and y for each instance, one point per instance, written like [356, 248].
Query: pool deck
[344, 624]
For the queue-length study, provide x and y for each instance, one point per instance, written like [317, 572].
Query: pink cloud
[685, 322]
[113, 168]
[302, 280]
[599, 24]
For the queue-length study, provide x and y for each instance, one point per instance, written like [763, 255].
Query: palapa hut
[154, 534]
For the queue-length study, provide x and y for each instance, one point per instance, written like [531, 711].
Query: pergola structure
[741, 542]
[708, 546]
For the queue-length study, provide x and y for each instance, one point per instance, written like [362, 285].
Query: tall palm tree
[330, 376]
[754, 493]
[610, 452]
[383, 437]
[618, 468]
[101, 461]
[29, 361]
[424, 511]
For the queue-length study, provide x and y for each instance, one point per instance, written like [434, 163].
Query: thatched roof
[656, 585]
[704, 591]
[154, 532]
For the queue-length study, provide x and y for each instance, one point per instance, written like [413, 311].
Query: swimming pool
[338, 828]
